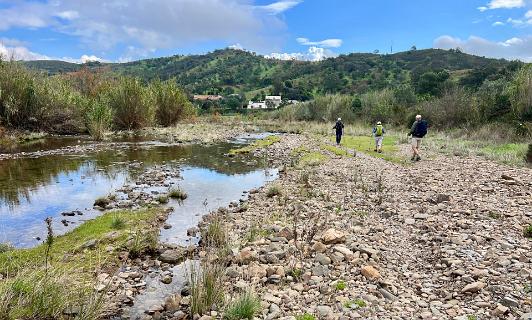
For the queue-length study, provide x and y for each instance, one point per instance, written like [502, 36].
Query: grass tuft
[102, 202]
[340, 285]
[206, 287]
[214, 235]
[305, 316]
[177, 193]
[6, 247]
[273, 191]
[527, 231]
[117, 222]
[259, 144]
[163, 199]
[245, 306]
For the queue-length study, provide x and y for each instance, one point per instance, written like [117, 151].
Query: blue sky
[125, 30]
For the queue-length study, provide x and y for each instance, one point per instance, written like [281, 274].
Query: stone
[509, 302]
[333, 236]
[370, 272]
[91, 244]
[271, 298]
[322, 259]
[179, 315]
[255, 270]
[324, 311]
[172, 256]
[499, 310]
[320, 271]
[286, 233]
[319, 247]
[246, 255]
[343, 250]
[167, 279]
[474, 287]
[387, 295]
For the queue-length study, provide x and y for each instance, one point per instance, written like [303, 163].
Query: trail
[445, 234]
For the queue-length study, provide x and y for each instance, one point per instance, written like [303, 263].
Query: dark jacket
[339, 127]
[419, 129]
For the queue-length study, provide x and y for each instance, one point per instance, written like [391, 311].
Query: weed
[305, 316]
[494, 215]
[206, 287]
[471, 317]
[256, 232]
[340, 285]
[142, 242]
[6, 247]
[273, 191]
[296, 273]
[527, 232]
[177, 193]
[214, 235]
[162, 199]
[358, 303]
[312, 159]
[117, 222]
[246, 306]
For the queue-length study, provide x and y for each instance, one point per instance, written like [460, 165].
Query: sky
[126, 30]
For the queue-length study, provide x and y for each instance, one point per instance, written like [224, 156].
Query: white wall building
[274, 100]
[257, 105]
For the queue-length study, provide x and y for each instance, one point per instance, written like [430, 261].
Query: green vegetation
[117, 223]
[102, 202]
[335, 150]
[312, 159]
[259, 144]
[5, 247]
[246, 306]
[163, 199]
[58, 277]
[527, 231]
[273, 191]
[358, 303]
[305, 316]
[206, 286]
[215, 234]
[366, 144]
[340, 285]
[177, 193]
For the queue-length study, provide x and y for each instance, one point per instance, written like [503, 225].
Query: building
[275, 101]
[199, 97]
[257, 105]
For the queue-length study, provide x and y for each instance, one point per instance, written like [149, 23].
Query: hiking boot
[418, 158]
[375, 150]
[380, 151]
[413, 159]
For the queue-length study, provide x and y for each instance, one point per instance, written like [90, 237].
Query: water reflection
[34, 188]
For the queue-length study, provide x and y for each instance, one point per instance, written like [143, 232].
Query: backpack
[421, 129]
[378, 132]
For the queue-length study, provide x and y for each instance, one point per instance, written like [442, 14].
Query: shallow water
[32, 189]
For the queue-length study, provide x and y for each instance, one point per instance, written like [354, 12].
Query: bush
[98, 119]
[171, 103]
[131, 104]
[521, 94]
[206, 287]
[378, 105]
[456, 108]
[177, 193]
[245, 306]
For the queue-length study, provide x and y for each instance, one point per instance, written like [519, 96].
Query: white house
[257, 105]
[274, 100]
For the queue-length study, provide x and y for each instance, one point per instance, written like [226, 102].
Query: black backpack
[421, 129]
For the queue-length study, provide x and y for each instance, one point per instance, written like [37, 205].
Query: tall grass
[98, 119]
[131, 104]
[206, 287]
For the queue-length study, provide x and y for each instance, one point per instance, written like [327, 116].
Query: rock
[255, 270]
[205, 318]
[510, 302]
[91, 244]
[172, 303]
[323, 259]
[474, 287]
[172, 256]
[319, 247]
[320, 271]
[179, 315]
[387, 295]
[370, 272]
[324, 311]
[246, 255]
[333, 236]
[271, 298]
[167, 279]
[368, 250]
[499, 310]
[527, 316]
[286, 233]
[343, 250]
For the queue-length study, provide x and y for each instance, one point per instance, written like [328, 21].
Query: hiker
[378, 134]
[418, 131]
[339, 127]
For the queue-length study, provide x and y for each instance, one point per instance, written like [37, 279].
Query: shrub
[456, 108]
[171, 103]
[98, 119]
[521, 94]
[340, 285]
[378, 105]
[162, 199]
[245, 306]
[527, 231]
[102, 202]
[131, 104]
[177, 193]
[5, 247]
[142, 242]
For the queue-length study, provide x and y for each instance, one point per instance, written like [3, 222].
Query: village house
[199, 97]
[270, 102]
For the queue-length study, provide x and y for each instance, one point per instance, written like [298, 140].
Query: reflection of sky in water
[68, 191]
[36, 188]
[217, 189]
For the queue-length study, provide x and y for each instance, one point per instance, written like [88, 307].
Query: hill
[234, 71]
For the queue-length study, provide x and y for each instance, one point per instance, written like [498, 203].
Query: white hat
[339, 119]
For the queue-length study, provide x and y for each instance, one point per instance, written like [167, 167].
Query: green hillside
[233, 71]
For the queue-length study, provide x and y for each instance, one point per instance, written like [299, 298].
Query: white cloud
[280, 6]
[236, 46]
[313, 54]
[503, 4]
[327, 43]
[512, 49]
[498, 23]
[154, 24]
[20, 53]
[482, 9]
[528, 14]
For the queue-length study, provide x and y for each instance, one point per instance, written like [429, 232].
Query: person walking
[418, 132]
[378, 134]
[339, 127]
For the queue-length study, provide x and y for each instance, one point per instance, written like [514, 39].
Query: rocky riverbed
[363, 238]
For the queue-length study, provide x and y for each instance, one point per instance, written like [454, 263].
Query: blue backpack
[421, 129]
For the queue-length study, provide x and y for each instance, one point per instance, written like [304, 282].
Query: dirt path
[440, 239]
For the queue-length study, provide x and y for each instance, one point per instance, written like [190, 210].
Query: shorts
[416, 142]
[378, 141]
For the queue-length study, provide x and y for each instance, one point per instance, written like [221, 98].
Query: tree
[413, 48]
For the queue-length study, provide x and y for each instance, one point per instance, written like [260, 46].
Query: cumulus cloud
[155, 24]
[498, 23]
[503, 4]
[327, 43]
[313, 54]
[512, 49]
[20, 53]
